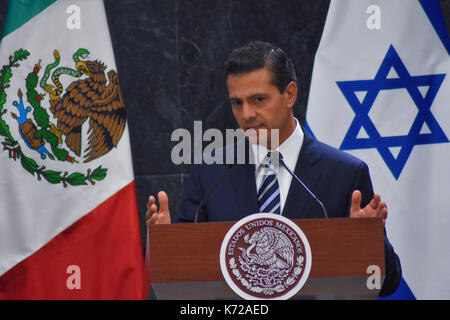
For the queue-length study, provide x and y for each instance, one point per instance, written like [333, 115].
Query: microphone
[211, 190]
[304, 186]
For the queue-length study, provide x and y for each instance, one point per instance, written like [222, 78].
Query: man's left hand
[375, 208]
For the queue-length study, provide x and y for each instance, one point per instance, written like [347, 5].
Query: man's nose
[248, 112]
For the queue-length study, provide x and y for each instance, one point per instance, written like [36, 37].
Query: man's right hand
[153, 215]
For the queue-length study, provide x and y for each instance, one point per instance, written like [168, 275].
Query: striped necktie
[269, 192]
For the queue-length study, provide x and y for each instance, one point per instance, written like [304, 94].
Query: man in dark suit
[262, 87]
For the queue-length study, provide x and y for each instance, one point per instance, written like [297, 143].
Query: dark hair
[256, 55]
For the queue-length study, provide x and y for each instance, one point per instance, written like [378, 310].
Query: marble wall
[169, 56]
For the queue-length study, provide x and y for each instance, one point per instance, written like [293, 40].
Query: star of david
[362, 120]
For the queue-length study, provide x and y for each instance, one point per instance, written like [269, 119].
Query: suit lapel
[243, 181]
[244, 187]
[298, 202]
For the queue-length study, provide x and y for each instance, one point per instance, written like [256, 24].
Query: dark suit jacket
[332, 175]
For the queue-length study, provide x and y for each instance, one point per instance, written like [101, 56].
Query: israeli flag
[380, 90]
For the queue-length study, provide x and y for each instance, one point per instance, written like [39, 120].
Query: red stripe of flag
[104, 244]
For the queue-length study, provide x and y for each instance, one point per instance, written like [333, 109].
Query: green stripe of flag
[21, 11]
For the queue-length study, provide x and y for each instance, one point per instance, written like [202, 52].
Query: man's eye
[259, 99]
[235, 103]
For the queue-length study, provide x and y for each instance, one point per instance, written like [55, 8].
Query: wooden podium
[184, 259]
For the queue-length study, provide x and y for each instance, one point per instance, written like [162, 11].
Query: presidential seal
[265, 256]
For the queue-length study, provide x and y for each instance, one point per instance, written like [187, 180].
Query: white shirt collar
[290, 149]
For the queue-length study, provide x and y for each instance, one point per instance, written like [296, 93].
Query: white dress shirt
[290, 149]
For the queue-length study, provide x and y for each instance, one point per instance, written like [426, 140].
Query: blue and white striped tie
[269, 192]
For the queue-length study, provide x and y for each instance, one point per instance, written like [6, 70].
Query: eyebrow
[250, 97]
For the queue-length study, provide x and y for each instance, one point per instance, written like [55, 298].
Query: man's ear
[291, 94]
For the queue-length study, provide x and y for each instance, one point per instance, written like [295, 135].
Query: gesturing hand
[375, 208]
[153, 215]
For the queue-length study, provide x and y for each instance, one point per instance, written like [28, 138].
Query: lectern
[346, 253]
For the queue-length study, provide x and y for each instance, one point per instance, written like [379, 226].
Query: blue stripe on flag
[403, 292]
[434, 12]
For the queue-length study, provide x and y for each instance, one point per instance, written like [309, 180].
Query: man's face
[258, 104]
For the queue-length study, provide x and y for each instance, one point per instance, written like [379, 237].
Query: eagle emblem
[62, 99]
[272, 248]
[265, 256]
[88, 99]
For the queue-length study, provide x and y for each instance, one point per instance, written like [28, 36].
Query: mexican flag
[69, 225]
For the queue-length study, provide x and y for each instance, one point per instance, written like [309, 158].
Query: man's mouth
[258, 134]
